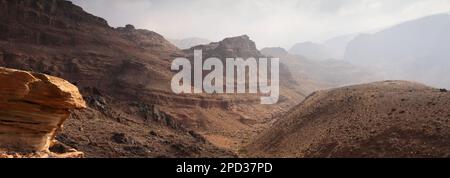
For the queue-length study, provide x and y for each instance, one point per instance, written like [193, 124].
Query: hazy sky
[268, 22]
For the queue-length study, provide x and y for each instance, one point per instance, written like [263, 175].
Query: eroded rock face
[124, 65]
[32, 108]
[240, 46]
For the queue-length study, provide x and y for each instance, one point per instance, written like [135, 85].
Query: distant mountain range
[338, 45]
[189, 42]
[124, 76]
[333, 48]
[311, 50]
[315, 75]
[415, 50]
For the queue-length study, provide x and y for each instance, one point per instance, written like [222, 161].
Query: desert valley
[71, 85]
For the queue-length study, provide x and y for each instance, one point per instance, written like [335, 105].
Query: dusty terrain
[124, 75]
[382, 119]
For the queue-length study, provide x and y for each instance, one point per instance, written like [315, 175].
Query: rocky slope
[383, 119]
[124, 75]
[234, 125]
[33, 108]
[244, 47]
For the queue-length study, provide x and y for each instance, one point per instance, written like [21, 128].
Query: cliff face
[244, 47]
[59, 38]
[32, 108]
[240, 46]
[124, 75]
[20, 20]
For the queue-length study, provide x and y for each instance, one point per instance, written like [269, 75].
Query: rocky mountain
[248, 116]
[415, 50]
[122, 73]
[382, 119]
[244, 47]
[33, 108]
[189, 42]
[124, 76]
[240, 46]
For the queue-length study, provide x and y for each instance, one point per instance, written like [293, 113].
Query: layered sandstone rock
[32, 108]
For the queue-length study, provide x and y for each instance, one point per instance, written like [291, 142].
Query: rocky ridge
[377, 120]
[124, 75]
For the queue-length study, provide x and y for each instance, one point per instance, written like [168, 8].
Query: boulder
[33, 108]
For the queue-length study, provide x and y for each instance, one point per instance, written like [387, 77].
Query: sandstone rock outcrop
[33, 108]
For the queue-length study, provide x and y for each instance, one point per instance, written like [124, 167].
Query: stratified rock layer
[32, 108]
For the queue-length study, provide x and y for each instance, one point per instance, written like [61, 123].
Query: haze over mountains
[333, 48]
[416, 50]
[322, 74]
[312, 51]
[189, 42]
[123, 74]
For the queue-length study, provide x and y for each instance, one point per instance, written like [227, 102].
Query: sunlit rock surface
[32, 108]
